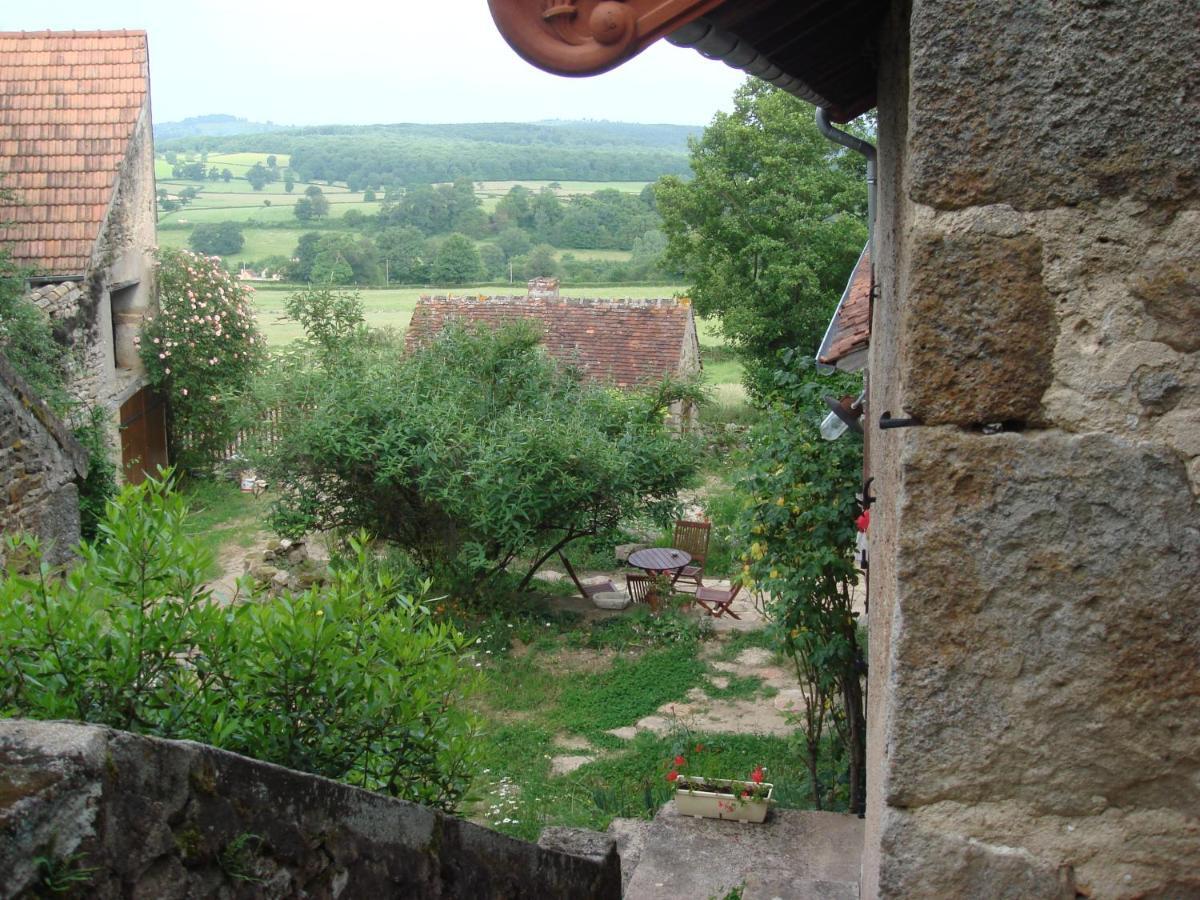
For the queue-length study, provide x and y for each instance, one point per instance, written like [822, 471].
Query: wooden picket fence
[264, 432]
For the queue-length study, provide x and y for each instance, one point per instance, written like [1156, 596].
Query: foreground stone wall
[1035, 636]
[131, 816]
[40, 463]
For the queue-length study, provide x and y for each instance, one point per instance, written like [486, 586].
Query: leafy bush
[354, 681]
[27, 340]
[201, 349]
[799, 528]
[469, 454]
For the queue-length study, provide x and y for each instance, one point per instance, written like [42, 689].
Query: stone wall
[132, 816]
[39, 464]
[1035, 640]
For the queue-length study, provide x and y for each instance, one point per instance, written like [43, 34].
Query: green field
[564, 187]
[234, 200]
[260, 242]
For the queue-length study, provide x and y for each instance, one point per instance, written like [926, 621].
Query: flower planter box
[721, 798]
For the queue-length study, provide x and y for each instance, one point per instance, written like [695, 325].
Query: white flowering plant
[201, 350]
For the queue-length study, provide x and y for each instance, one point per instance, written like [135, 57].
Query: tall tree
[257, 176]
[457, 261]
[769, 228]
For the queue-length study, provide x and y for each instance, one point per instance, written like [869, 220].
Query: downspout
[858, 145]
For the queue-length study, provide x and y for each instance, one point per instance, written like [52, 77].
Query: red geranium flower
[757, 775]
[679, 761]
[672, 775]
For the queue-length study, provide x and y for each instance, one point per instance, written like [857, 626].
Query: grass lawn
[221, 516]
[571, 683]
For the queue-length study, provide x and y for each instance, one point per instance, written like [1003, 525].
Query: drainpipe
[865, 149]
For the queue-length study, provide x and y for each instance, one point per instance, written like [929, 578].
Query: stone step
[794, 855]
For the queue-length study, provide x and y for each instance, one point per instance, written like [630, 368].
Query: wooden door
[143, 435]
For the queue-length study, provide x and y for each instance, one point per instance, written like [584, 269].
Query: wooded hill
[375, 156]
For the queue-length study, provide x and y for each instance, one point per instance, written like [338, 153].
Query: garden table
[659, 561]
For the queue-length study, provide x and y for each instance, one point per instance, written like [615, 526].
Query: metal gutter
[716, 43]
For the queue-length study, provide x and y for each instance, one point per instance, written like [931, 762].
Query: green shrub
[354, 681]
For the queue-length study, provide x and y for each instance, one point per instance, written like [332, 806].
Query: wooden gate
[143, 435]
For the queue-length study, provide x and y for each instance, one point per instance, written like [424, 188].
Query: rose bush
[201, 350]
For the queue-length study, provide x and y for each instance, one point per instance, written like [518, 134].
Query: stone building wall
[98, 316]
[40, 463]
[133, 816]
[1035, 638]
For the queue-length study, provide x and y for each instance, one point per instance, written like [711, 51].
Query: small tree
[200, 350]
[469, 454]
[289, 182]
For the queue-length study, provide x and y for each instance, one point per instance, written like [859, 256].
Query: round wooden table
[660, 560]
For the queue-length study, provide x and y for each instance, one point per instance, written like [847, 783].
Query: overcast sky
[355, 62]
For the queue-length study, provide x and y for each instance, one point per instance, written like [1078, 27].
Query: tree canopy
[470, 453]
[768, 231]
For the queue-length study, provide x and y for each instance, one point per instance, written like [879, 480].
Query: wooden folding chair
[717, 603]
[587, 590]
[641, 590]
[693, 538]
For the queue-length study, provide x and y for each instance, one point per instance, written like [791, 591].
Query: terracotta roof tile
[850, 330]
[625, 342]
[69, 104]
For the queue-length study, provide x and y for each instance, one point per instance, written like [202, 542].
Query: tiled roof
[69, 103]
[626, 342]
[850, 330]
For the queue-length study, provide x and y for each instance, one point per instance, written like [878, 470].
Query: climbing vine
[799, 528]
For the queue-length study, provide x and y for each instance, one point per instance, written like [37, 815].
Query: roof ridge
[49, 32]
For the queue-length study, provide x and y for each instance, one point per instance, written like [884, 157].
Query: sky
[361, 62]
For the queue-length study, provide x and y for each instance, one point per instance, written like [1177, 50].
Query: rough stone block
[1046, 646]
[979, 330]
[1045, 104]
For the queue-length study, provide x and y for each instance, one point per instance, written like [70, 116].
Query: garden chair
[587, 590]
[641, 589]
[716, 602]
[692, 537]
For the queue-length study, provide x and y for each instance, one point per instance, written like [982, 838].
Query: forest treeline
[379, 156]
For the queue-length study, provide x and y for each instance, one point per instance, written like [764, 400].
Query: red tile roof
[69, 104]
[850, 330]
[626, 342]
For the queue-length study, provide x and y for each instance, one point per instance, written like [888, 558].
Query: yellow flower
[774, 573]
[320, 612]
[779, 501]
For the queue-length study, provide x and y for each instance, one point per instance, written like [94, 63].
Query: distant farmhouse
[625, 343]
[76, 150]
